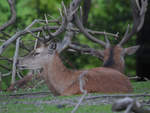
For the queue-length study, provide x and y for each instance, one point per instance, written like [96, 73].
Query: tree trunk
[86, 9]
[143, 55]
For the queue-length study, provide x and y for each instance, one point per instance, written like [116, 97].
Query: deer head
[114, 55]
[39, 56]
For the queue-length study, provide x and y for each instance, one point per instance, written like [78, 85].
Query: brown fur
[118, 63]
[62, 81]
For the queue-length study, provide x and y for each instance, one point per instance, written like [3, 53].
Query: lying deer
[64, 81]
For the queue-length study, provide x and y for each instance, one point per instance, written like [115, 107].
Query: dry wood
[15, 61]
[129, 105]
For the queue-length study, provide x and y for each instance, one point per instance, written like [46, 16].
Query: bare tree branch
[5, 34]
[5, 58]
[86, 9]
[5, 67]
[6, 74]
[15, 61]
[36, 41]
[13, 15]
[129, 105]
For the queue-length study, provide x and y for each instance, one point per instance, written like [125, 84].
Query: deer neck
[114, 61]
[57, 76]
[119, 64]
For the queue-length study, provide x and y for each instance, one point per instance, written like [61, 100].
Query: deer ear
[131, 50]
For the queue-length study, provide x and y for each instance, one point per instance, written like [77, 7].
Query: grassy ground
[45, 108]
[50, 104]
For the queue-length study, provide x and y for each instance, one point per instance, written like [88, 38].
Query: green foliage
[140, 87]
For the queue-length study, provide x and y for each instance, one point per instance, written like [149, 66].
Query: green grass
[141, 87]
[39, 105]
[45, 108]
[33, 105]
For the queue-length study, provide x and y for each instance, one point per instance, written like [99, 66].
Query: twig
[1, 40]
[18, 74]
[3, 66]
[5, 34]
[15, 61]
[39, 83]
[36, 41]
[5, 58]
[6, 74]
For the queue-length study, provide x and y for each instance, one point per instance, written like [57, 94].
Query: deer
[113, 55]
[63, 81]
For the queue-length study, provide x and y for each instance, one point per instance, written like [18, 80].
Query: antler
[138, 12]
[69, 18]
[89, 36]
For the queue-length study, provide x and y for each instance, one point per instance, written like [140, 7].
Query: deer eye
[35, 54]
